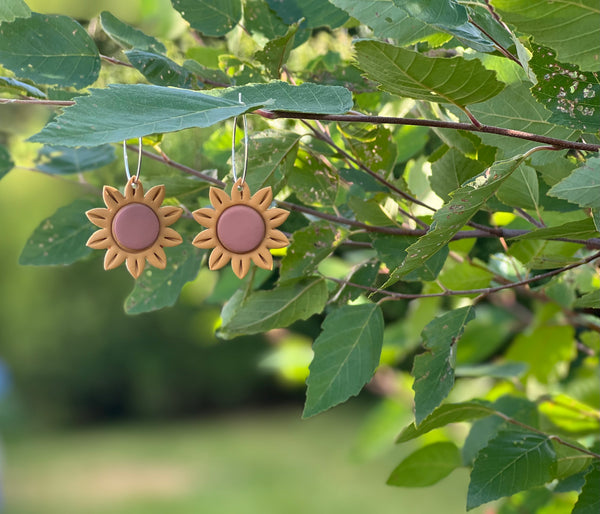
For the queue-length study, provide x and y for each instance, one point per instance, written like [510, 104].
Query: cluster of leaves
[472, 234]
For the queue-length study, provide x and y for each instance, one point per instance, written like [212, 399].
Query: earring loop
[233, 168]
[126, 161]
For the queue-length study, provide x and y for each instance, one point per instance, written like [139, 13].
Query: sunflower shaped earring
[134, 227]
[241, 228]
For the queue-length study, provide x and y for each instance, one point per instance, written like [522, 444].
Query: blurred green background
[109, 413]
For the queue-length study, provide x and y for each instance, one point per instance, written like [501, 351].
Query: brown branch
[112, 60]
[363, 118]
[500, 48]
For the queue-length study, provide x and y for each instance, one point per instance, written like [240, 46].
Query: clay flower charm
[241, 229]
[134, 227]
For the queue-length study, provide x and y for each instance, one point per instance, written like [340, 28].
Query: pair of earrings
[135, 227]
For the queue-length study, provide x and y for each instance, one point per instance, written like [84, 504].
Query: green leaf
[378, 152]
[464, 275]
[521, 189]
[60, 239]
[22, 87]
[407, 73]
[125, 111]
[515, 108]
[259, 18]
[6, 162]
[570, 461]
[11, 9]
[512, 461]
[434, 370]
[572, 27]
[160, 70]
[277, 308]
[589, 499]
[581, 187]
[271, 159]
[444, 415]
[309, 247]
[127, 36]
[346, 354]
[556, 343]
[206, 75]
[317, 13]
[387, 20]
[448, 16]
[157, 288]
[64, 160]
[452, 170]
[281, 96]
[448, 220]
[50, 49]
[572, 95]
[392, 251]
[580, 229]
[276, 52]
[426, 466]
[211, 17]
[588, 301]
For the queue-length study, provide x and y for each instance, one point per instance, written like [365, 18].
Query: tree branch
[489, 129]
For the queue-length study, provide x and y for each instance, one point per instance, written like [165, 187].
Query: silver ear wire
[126, 161]
[233, 169]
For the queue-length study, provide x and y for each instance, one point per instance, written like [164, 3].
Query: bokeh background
[107, 413]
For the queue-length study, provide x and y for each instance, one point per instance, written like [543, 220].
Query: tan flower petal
[112, 197]
[263, 198]
[134, 191]
[155, 196]
[275, 216]
[157, 258]
[136, 265]
[276, 239]
[240, 265]
[100, 240]
[218, 258]
[219, 199]
[169, 214]
[114, 257]
[170, 238]
[206, 239]
[240, 191]
[100, 216]
[263, 258]
[206, 217]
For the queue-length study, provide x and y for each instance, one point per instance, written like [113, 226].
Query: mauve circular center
[240, 229]
[135, 226]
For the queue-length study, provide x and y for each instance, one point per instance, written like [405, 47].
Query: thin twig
[500, 48]
[112, 60]
[393, 295]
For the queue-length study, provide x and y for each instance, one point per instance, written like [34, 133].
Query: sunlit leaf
[426, 466]
[346, 354]
[436, 79]
[50, 49]
[570, 27]
[448, 220]
[264, 310]
[581, 187]
[11, 9]
[581, 229]
[276, 52]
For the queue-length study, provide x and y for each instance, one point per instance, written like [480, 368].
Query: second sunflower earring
[241, 228]
[134, 227]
